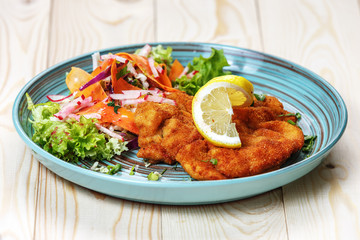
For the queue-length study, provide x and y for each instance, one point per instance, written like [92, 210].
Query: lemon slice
[240, 92]
[212, 109]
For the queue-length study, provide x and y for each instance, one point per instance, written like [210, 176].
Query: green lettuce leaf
[161, 55]
[207, 68]
[71, 140]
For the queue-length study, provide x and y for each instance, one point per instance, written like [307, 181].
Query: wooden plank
[79, 27]
[68, 211]
[323, 36]
[23, 48]
[71, 212]
[251, 218]
[223, 21]
[234, 23]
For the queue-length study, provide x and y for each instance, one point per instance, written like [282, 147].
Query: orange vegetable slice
[102, 67]
[175, 71]
[141, 62]
[77, 78]
[120, 84]
[123, 118]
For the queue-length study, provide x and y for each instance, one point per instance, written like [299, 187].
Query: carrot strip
[175, 71]
[77, 78]
[164, 79]
[123, 118]
[119, 84]
[102, 67]
[142, 63]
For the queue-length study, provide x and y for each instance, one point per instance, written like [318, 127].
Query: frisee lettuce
[207, 68]
[70, 140]
[161, 55]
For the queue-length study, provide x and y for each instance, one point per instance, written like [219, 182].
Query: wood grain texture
[218, 21]
[259, 217]
[68, 211]
[23, 52]
[82, 26]
[326, 41]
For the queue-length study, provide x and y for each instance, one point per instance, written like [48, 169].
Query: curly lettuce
[206, 68]
[70, 140]
[160, 55]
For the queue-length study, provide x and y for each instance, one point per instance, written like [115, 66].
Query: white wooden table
[323, 36]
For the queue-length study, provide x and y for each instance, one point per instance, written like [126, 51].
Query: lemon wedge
[212, 108]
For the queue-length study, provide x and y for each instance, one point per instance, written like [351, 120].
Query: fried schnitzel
[164, 129]
[167, 134]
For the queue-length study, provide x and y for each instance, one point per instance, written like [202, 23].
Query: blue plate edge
[287, 169]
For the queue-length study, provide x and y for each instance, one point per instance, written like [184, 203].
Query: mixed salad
[96, 120]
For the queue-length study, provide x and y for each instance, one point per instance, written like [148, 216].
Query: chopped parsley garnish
[135, 82]
[260, 97]
[123, 72]
[291, 122]
[116, 107]
[111, 104]
[176, 165]
[155, 176]
[297, 115]
[110, 170]
[309, 142]
[213, 161]
[132, 171]
[113, 169]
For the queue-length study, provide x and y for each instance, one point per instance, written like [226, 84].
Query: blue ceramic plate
[323, 114]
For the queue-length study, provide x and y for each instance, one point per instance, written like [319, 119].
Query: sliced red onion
[153, 98]
[186, 69]
[73, 106]
[119, 135]
[157, 99]
[92, 115]
[192, 74]
[132, 101]
[145, 51]
[85, 104]
[88, 116]
[108, 132]
[104, 74]
[169, 101]
[58, 98]
[112, 56]
[152, 67]
[95, 60]
[141, 77]
[131, 68]
[143, 80]
[133, 144]
[131, 95]
[143, 92]
[159, 69]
